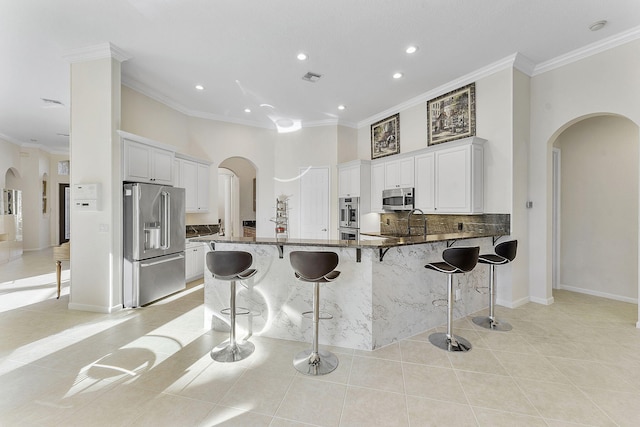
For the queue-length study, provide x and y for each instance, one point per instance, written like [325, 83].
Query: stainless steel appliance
[397, 199]
[154, 242]
[346, 233]
[349, 212]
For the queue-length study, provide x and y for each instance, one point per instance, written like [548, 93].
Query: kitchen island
[383, 294]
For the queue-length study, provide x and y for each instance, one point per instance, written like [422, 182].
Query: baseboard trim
[94, 308]
[513, 304]
[544, 301]
[598, 294]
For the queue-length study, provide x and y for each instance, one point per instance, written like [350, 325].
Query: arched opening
[237, 189]
[595, 213]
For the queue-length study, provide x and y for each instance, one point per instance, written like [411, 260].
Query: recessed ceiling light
[302, 56]
[397, 75]
[412, 49]
[247, 110]
[598, 25]
[199, 87]
[341, 107]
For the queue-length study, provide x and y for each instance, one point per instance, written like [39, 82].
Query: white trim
[598, 294]
[144, 140]
[545, 301]
[95, 308]
[92, 53]
[447, 87]
[589, 50]
[556, 216]
[513, 304]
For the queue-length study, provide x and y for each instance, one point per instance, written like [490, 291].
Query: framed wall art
[452, 115]
[385, 137]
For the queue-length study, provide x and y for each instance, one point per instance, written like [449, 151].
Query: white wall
[245, 173]
[599, 208]
[608, 82]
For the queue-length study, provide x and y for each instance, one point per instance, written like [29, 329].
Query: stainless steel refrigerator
[154, 241]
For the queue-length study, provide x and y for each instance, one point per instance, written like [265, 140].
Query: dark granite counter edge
[387, 242]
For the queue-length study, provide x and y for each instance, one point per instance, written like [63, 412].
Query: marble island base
[373, 302]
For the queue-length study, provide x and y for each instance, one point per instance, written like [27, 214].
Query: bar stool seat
[231, 266]
[505, 253]
[315, 267]
[456, 260]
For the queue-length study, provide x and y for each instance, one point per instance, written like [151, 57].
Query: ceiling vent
[311, 77]
[51, 103]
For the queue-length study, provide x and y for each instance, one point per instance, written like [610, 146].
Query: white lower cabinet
[194, 260]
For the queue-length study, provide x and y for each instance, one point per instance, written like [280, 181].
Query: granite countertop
[384, 242]
[200, 230]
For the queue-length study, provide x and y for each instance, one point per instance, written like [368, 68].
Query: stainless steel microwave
[397, 199]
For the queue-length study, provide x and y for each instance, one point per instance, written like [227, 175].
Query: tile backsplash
[396, 223]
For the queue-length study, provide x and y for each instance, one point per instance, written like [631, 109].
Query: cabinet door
[198, 261]
[453, 180]
[162, 166]
[392, 174]
[189, 262]
[137, 162]
[189, 180]
[406, 177]
[176, 173]
[399, 173]
[425, 182]
[377, 185]
[349, 182]
[203, 188]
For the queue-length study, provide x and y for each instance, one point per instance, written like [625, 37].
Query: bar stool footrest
[321, 316]
[240, 311]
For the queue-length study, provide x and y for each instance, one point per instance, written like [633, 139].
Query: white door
[314, 204]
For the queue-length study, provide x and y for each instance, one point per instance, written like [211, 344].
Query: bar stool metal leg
[315, 361]
[231, 350]
[491, 322]
[449, 341]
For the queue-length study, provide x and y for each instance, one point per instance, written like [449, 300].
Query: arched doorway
[595, 207]
[237, 187]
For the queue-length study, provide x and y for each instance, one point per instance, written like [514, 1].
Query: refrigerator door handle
[149, 264]
[166, 220]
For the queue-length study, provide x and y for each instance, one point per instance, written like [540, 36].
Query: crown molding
[589, 50]
[447, 87]
[92, 53]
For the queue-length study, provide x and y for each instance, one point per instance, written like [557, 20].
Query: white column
[95, 154]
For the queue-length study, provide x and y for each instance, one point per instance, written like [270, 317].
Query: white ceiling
[244, 52]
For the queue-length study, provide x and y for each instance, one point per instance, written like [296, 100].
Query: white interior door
[314, 203]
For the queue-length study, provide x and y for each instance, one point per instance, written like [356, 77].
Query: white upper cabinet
[377, 185]
[459, 178]
[146, 163]
[194, 178]
[451, 179]
[349, 181]
[399, 173]
[354, 180]
[425, 188]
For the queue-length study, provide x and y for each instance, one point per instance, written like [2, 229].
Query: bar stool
[456, 260]
[315, 267]
[231, 266]
[505, 253]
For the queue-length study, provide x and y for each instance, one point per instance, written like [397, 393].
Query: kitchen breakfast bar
[383, 294]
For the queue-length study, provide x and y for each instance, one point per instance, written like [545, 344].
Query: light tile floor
[576, 362]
